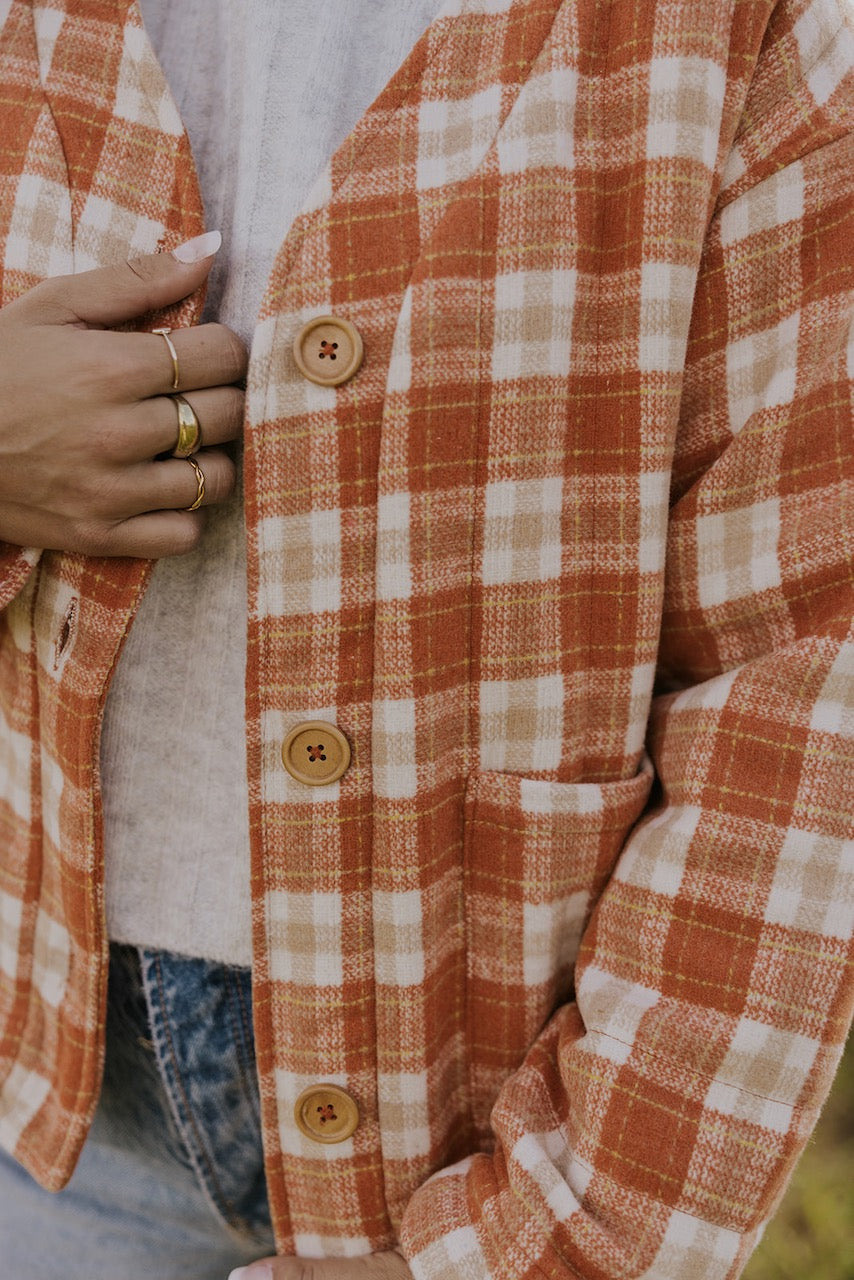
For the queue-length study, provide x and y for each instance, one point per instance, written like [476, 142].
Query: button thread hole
[66, 632]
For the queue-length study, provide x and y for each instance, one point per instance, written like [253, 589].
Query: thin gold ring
[189, 429]
[164, 334]
[200, 483]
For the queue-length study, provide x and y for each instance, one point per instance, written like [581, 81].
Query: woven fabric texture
[568, 561]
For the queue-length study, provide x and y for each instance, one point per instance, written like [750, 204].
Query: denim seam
[174, 1081]
[242, 1033]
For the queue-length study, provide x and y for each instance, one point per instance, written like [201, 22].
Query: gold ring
[164, 334]
[200, 484]
[189, 429]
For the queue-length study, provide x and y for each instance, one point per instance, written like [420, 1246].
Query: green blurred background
[812, 1235]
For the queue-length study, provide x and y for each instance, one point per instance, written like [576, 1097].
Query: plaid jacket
[581, 521]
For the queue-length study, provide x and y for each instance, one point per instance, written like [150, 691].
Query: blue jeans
[171, 1180]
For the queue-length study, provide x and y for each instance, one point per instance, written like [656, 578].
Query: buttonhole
[66, 631]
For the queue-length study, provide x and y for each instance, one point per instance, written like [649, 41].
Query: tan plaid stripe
[461, 557]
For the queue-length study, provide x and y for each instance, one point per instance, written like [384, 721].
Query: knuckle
[90, 381]
[51, 291]
[93, 538]
[234, 409]
[98, 497]
[46, 291]
[116, 373]
[233, 355]
[220, 475]
[142, 269]
[112, 445]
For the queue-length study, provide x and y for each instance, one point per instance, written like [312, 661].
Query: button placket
[328, 351]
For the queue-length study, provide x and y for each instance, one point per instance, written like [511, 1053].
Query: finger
[151, 426]
[263, 1269]
[149, 536]
[160, 485]
[375, 1266]
[124, 367]
[112, 295]
[104, 498]
[136, 366]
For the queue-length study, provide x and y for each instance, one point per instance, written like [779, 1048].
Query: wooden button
[326, 1113]
[316, 753]
[328, 350]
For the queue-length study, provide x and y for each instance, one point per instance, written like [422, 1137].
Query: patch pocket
[537, 857]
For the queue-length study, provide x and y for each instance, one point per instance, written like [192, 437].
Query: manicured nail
[255, 1271]
[194, 250]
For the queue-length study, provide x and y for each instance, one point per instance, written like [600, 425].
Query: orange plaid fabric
[569, 562]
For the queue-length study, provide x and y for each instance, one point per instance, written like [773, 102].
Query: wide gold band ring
[189, 429]
[200, 484]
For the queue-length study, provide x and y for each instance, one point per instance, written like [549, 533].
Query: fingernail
[256, 1271]
[194, 250]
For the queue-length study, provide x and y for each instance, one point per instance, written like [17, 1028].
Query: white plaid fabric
[580, 516]
[306, 928]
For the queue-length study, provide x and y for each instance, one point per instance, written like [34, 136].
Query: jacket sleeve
[653, 1125]
[16, 565]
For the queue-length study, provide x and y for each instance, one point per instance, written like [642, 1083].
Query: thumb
[111, 295]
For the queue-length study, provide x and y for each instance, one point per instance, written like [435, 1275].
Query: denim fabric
[170, 1183]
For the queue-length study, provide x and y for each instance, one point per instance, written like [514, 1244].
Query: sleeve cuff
[16, 565]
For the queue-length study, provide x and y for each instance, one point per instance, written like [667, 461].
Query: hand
[372, 1266]
[86, 410]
